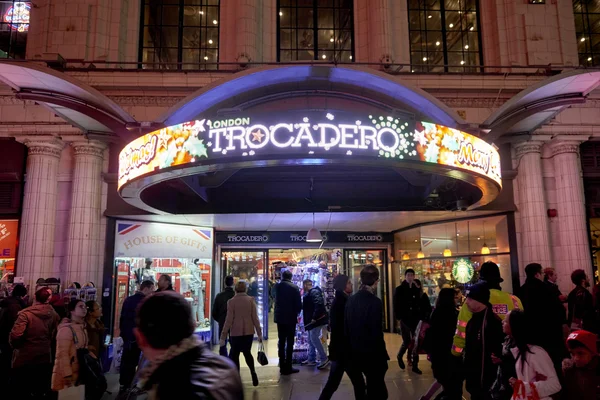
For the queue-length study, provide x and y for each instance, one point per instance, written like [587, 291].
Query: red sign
[8, 238]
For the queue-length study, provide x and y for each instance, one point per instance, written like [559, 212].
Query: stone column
[573, 251]
[532, 216]
[36, 244]
[83, 250]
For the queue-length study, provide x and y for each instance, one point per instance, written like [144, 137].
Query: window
[315, 30]
[179, 34]
[444, 35]
[14, 25]
[587, 28]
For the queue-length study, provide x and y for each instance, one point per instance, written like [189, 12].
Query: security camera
[462, 205]
[386, 61]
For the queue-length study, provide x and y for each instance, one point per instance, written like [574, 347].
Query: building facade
[83, 78]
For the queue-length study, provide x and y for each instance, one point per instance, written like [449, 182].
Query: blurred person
[219, 309]
[536, 376]
[483, 338]
[65, 374]
[502, 388]
[31, 337]
[288, 305]
[407, 300]
[581, 304]
[424, 313]
[364, 329]
[164, 283]
[9, 310]
[338, 345]
[131, 351]
[241, 321]
[94, 328]
[314, 315]
[581, 371]
[180, 365]
[551, 279]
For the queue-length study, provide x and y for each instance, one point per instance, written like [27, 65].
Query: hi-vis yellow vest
[502, 303]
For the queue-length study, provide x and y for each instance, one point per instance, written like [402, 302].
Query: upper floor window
[587, 27]
[179, 34]
[444, 35]
[315, 30]
[14, 25]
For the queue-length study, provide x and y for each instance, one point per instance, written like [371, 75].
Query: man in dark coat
[131, 350]
[364, 328]
[165, 283]
[545, 313]
[9, 309]
[315, 316]
[288, 305]
[407, 298]
[219, 309]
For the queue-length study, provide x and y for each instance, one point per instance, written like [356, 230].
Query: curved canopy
[76, 102]
[267, 81]
[537, 104]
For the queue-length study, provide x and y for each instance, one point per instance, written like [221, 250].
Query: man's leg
[236, 348]
[289, 351]
[355, 373]
[222, 349]
[406, 339]
[375, 375]
[319, 345]
[281, 340]
[129, 363]
[312, 351]
[333, 382]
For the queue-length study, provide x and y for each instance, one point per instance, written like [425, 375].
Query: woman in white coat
[536, 377]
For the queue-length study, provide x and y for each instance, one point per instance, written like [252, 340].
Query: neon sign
[308, 135]
[18, 16]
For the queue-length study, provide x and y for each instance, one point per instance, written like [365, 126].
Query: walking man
[288, 305]
[219, 310]
[364, 329]
[407, 298]
[315, 316]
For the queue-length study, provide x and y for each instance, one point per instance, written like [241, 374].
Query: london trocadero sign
[310, 135]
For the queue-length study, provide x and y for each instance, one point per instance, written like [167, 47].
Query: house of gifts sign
[312, 135]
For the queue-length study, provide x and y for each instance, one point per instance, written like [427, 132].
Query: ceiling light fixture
[437, 43]
[485, 249]
[405, 256]
[210, 41]
[331, 40]
[280, 14]
[447, 251]
[583, 39]
[471, 28]
[323, 56]
[215, 21]
[420, 254]
[451, 25]
[313, 235]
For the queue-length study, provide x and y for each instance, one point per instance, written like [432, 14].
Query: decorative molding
[12, 100]
[156, 101]
[89, 148]
[470, 102]
[527, 147]
[557, 148]
[51, 147]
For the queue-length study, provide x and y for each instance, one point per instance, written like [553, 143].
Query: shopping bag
[522, 392]
[262, 357]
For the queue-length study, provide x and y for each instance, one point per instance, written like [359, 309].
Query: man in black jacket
[165, 283]
[180, 365]
[288, 305]
[219, 310]
[315, 316]
[364, 328]
[9, 309]
[407, 298]
[131, 351]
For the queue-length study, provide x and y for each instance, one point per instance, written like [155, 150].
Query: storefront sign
[18, 15]
[307, 136]
[462, 270]
[149, 239]
[8, 238]
[300, 237]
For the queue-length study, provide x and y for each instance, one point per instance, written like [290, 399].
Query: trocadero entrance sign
[306, 136]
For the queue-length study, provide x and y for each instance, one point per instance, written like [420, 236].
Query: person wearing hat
[483, 338]
[582, 370]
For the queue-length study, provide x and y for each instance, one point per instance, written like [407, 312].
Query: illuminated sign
[8, 238]
[463, 270]
[308, 135]
[18, 16]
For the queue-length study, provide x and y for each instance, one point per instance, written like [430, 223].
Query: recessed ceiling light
[424, 58]
[451, 25]
[466, 46]
[210, 41]
[582, 39]
[323, 56]
[437, 43]
[462, 62]
[215, 21]
[331, 40]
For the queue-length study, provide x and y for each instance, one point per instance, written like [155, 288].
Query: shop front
[8, 248]
[145, 251]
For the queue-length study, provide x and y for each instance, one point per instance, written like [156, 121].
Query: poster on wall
[8, 238]
[155, 240]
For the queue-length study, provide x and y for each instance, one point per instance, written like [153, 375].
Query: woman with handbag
[240, 323]
[536, 377]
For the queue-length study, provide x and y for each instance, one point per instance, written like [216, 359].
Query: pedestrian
[439, 338]
[288, 305]
[31, 337]
[545, 314]
[582, 371]
[164, 283]
[9, 309]
[315, 315]
[505, 361]
[536, 377]
[240, 324]
[364, 329]
[180, 365]
[483, 338]
[94, 328]
[407, 299]
[131, 351]
[65, 374]
[219, 309]
[551, 279]
[581, 304]
[338, 345]
[424, 313]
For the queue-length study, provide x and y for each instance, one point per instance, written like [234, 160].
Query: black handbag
[261, 356]
[90, 372]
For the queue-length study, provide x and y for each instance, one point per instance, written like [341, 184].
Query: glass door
[250, 266]
[355, 260]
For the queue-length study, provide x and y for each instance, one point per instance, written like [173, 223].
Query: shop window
[14, 26]
[179, 34]
[444, 35]
[587, 28]
[315, 30]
